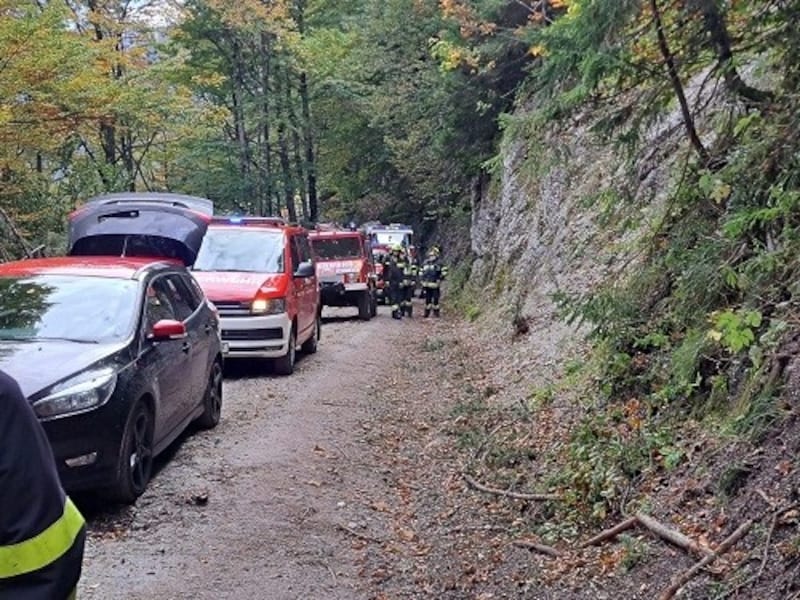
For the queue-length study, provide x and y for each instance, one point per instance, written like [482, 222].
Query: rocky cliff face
[552, 225]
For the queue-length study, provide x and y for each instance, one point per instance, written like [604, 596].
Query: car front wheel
[135, 461]
[212, 400]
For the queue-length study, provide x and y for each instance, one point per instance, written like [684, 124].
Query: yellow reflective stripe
[43, 549]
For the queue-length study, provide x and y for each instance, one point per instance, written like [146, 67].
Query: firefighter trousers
[395, 293]
[406, 305]
[432, 295]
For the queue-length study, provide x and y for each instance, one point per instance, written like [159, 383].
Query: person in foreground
[42, 534]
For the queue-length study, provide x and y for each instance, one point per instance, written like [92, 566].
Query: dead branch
[726, 545]
[16, 233]
[357, 534]
[518, 495]
[671, 535]
[540, 548]
[486, 528]
[611, 532]
[776, 513]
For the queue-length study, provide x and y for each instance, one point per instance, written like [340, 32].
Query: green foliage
[735, 330]
[607, 452]
[635, 552]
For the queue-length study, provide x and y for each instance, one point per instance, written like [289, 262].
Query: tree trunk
[239, 125]
[108, 135]
[126, 154]
[677, 86]
[282, 80]
[308, 134]
[714, 24]
[308, 140]
[297, 154]
[266, 148]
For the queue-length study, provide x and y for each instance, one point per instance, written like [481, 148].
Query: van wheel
[135, 460]
[365, 306]
[310, 345]
[285, 364]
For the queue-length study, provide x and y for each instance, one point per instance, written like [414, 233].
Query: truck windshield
[337, 248]
[241, 249]
[74, 308]
[390, 238]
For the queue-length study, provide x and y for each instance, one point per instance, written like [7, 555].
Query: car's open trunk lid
[140, 224]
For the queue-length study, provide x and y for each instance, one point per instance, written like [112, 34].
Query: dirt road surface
[281, 499]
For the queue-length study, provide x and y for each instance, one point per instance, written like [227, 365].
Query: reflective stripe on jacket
[432, 274]
[44, 548]
[41, 532]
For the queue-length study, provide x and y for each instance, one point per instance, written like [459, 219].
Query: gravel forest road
[271, 504]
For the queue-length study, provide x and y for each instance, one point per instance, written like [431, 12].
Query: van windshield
[240, 249]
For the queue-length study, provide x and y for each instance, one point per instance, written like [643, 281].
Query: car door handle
[185, 347]
[208, 328]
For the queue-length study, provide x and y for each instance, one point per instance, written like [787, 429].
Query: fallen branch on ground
[540, 548]
[776, 514]
[726, 545]
[358, 534]
[671, 535]
[611, 532]
[518, 495]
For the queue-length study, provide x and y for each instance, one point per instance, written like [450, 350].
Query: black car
[117, 354]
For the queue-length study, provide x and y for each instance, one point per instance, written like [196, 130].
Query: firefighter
[393, 277]
[41, 532]
[408, 284]
[433, 273]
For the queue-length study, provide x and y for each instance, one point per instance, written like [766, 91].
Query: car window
[294, 247]
[198, 297]
[304, 248]
[182, 300]
[198, 291]
[158, 303]
[67, 307]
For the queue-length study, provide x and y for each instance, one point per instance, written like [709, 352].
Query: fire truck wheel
[365, 306]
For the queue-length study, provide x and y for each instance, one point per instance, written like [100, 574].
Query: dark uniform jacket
[41, 532]
[432, 273]
[393, 271]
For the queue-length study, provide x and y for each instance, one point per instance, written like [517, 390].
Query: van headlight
[264, 306]
[83, 392]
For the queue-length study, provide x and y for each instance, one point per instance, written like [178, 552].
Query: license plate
[225, 347]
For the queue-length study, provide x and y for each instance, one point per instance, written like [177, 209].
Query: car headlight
[263, 306]
[83, 392]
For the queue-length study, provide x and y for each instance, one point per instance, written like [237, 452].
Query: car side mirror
[167, 329]
[305, 269]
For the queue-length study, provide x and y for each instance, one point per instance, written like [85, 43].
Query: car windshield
[248, 250]
[337, 248]
[60, 307]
